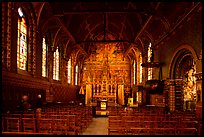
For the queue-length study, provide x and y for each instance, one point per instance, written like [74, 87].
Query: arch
[136, 50]
[77, 54]
[39, 10]
[149, 36]
[178, 51]
[55, 36]
[142, 45]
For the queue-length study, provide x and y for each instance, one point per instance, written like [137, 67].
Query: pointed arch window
[76, 74]
[149, 55]
[22, 48]
[134, 72]
[56, 65]
[44, 58]
[69, 67]
[140, 63]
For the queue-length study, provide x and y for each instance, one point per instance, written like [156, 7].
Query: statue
[190, 88]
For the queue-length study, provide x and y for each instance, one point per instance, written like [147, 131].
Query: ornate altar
[102, 104]
[104, 70]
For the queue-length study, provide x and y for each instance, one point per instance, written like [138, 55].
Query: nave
[98, 126]
[136, 64]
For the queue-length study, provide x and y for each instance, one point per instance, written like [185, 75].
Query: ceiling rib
[145, 25]
[123, 23]
[89, 30]
[186, 15]
[55, 36]
[65, 29]
[65, 48]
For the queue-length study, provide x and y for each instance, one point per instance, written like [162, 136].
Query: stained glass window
[69, 71]
[22, 41]
[140, 62]
[137, 96]
[134, 72]
[56, 65]
[76, 75]
[44, 58]
[149, 55]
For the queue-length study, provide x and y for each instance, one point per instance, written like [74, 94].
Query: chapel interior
[134, 66]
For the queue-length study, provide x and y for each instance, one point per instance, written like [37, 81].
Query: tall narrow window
[134, 72]
[149, 55]
[69, 71]
[140, 60]
[76, 75]
[44, 58]
[137, 97]
[22, 41]
[56, 65]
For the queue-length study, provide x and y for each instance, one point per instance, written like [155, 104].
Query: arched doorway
[183, 67]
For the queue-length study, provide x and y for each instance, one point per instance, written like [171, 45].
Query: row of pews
[60, 120]
[131, 121]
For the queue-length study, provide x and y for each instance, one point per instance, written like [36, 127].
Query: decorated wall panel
[107, 61]
[105, 69]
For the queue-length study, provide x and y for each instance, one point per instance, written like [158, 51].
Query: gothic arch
[180, 54]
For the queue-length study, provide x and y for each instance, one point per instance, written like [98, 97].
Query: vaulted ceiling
[81, 24]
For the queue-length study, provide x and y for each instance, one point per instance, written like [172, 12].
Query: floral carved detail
[198, 76]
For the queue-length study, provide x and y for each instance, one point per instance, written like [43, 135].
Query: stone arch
[180, 53]
[183, 66]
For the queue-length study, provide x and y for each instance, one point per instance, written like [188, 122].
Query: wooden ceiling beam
[124, 11]
[146, 23]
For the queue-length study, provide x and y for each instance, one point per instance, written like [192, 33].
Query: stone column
[171, 95]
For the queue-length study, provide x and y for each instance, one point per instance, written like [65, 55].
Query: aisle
[99, 126]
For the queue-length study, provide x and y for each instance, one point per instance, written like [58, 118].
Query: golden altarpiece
[106, 73]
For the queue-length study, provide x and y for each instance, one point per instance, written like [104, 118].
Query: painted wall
[189, 34]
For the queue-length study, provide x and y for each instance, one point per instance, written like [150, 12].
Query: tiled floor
[99, 126]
